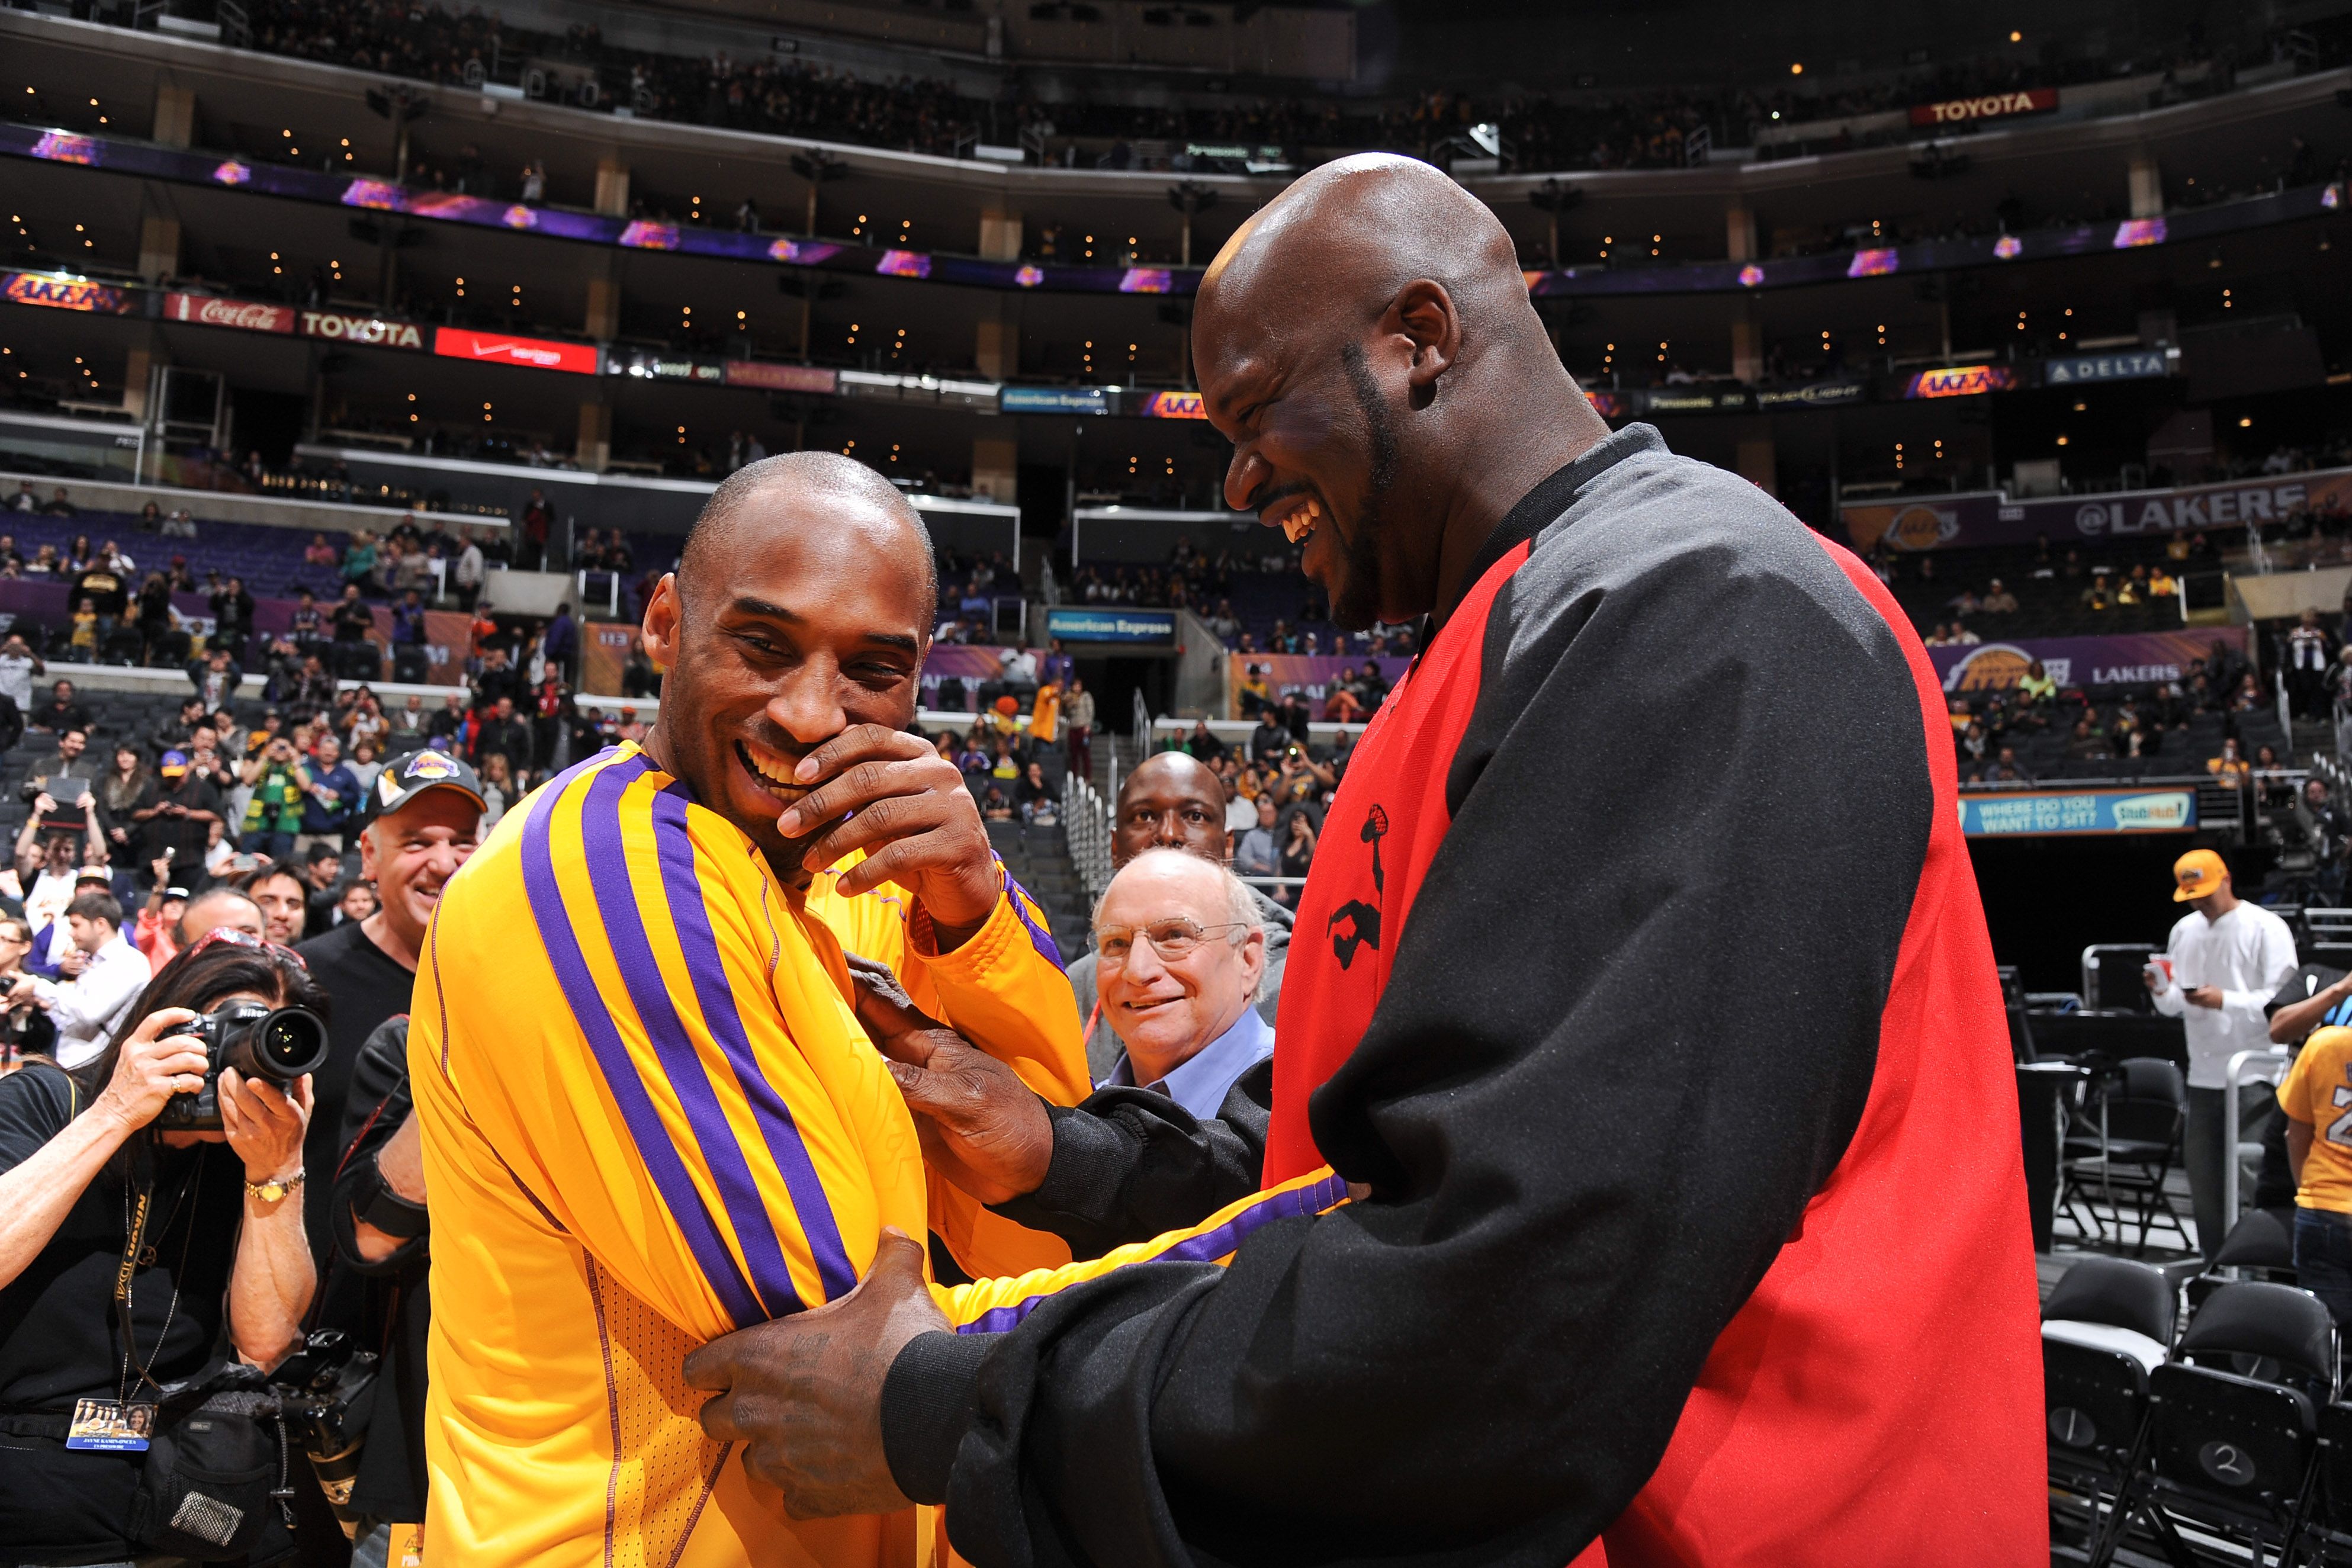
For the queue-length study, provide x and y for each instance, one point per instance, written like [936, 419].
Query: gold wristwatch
[274, 1189]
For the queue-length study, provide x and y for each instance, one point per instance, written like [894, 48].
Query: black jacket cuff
[927, 1400]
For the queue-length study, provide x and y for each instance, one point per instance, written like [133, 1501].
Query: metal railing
[1138, 740]
[1087, 823]
[2269, 1066]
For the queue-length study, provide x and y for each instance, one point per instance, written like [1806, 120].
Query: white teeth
[773, 783]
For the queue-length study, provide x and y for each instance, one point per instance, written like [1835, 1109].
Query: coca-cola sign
[246, 315]
[375, 330]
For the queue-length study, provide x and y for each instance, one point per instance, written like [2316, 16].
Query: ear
[663, 613]
[1424, 313]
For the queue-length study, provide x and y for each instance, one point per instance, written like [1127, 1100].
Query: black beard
[1358, 604]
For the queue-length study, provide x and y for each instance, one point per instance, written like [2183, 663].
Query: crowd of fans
[787, 95]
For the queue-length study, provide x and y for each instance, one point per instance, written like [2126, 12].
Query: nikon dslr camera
[277, 1045]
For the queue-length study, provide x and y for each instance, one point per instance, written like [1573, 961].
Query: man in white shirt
[18, 668]
[2227, 959]
[467, 573]
[87, 1008]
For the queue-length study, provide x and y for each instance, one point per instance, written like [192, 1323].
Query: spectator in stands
[175, 733]
[1298, 854]
[498, 678]
[1295, 715]
[1181, 954]
[318, 552]
[216, 678]
[85, 1006]
[2084, 746]
[367, 722]
[186, 812]
[2231, 767]
[323, 869]
[232, 609]
[1270, 739]
[154, 611]
[155, 934]
[355, 659]
[560, 645]
[355, 900]
[108, 592]
[18, 668]
[1033, 796]
[502, 732]
[2227, 959]
[449, 724]
[26, 498]
[127, 800]
[358, 564]
[11, 723]
[366, 761]
[306, 625]
[407, 729]
[1997, 600]
[1203, 743]
[278, 893]
[81, 642]
[61, 712]
[281, 785]
[498, 788]
[1078, 725]
[466, 572]
[230, 739]
[1258, 854]
[2308, 657]
[313, 689]
[69, 760]
[333, 798]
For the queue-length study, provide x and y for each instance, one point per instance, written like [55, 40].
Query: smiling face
[412, 853]
[1165, 1010]
[804, 611]
[1314, 451]
[1170, 802]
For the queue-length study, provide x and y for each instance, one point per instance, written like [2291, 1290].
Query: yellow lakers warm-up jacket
[650, 1117]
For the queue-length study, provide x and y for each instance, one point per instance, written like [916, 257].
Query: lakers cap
[404, 778]
[2199, 872]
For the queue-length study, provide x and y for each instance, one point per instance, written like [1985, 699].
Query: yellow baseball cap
[2199, 872]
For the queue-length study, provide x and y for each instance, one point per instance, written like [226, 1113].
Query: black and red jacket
[1642, 975]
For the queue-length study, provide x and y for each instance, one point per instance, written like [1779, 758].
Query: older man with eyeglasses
[1181, 952]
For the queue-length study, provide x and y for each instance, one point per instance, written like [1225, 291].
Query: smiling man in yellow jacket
[650, 1116]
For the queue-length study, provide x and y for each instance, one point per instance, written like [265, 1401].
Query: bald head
[789, 490]
[1367, 344]
[1171, 801]
[1343, 239]
[217, 907]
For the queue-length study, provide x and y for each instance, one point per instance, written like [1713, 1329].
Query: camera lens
[292, 1042]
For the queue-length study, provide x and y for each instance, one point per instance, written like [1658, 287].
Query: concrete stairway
[1039, 859]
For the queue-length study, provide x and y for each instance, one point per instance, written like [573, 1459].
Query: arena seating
[2218, 1432]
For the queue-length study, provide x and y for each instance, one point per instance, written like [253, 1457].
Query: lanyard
[137, 1209]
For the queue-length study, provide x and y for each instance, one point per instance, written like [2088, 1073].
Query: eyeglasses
[234, 937]
[1175, 939]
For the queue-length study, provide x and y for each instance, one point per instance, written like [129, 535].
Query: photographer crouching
[151, 1233]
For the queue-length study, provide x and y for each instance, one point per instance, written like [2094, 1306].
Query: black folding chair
[2121, 1142]
[2233, 1440]
[2108, 1323]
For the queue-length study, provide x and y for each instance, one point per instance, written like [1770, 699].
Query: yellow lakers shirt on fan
[651, 1117]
